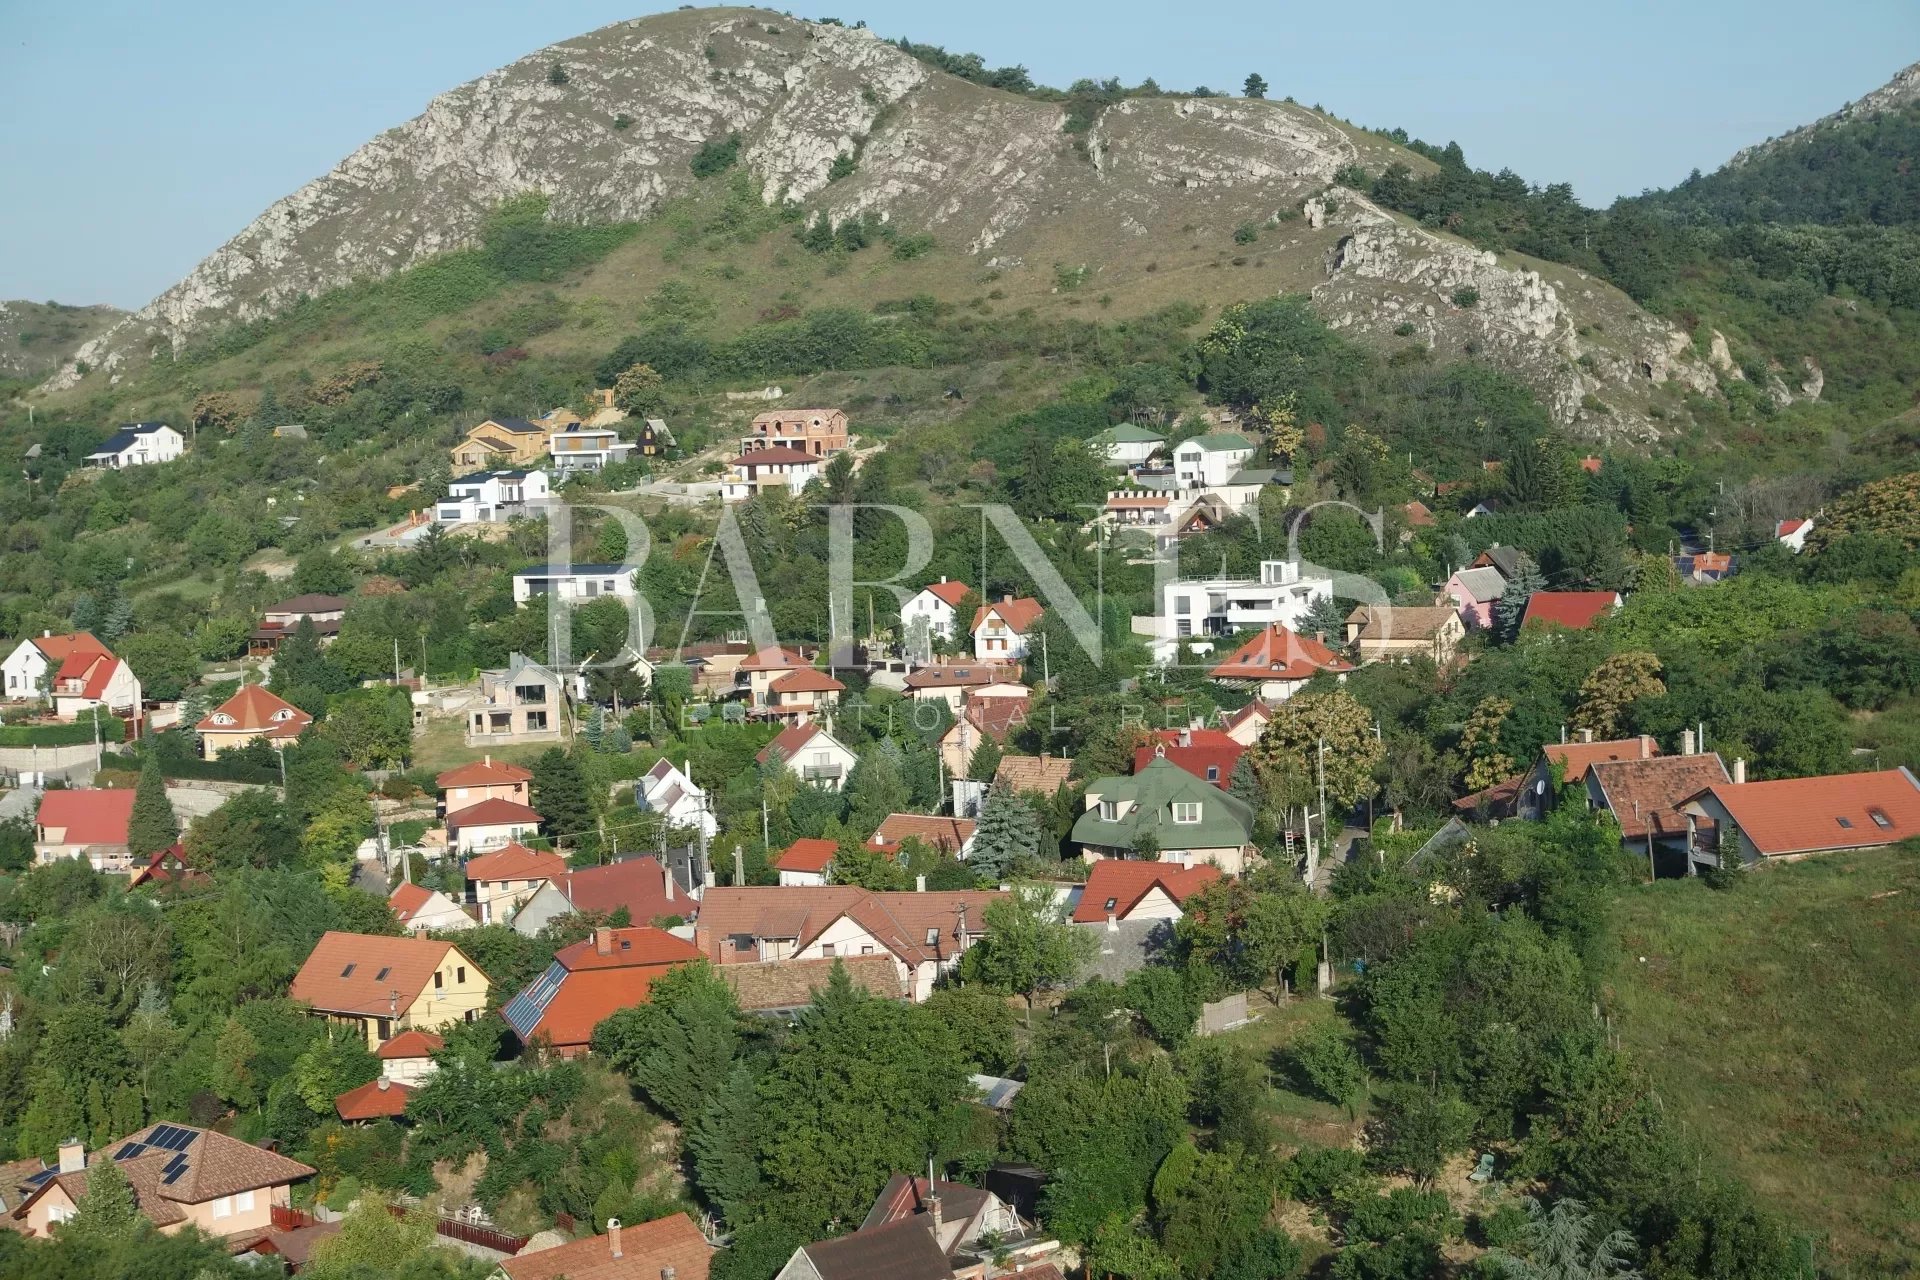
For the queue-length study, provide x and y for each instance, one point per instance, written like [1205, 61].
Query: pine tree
[1511, 608]
[595, 728]
[1008, 834]
[1256, 86]
[152, 826]
[561, 797]
[107, 1211]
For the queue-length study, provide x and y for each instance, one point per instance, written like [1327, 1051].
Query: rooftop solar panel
[175, 1170]
[130, 1150]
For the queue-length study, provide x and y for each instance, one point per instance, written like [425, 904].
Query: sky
[136, 137]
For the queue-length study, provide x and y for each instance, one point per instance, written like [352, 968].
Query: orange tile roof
[647, 1250]
[1278, 654]
[1205, 749]
[950, 591]
[1645, 796]
[1575, 758]
[1124, 882]
[899, 921]
[492, 813]
[407, 899]
[482, 773]
[92, 670]
[58, 649]
[254, 709]
[773, 659]
[1496, 801]
[1808, 815]
[638, 884]
[90, 816]
[789, 741]
[373, 1100]
[1044, 774]
[514, 861]
[806, 855]
[410, 1044]
[1019, 613]
[962, 675]
[1574, 610]
[935, 832]
[1418, 514]
[806, 680]
[995, 717]
[639, 945]
[367, 975]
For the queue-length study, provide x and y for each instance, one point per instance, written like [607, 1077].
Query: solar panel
[40, 1177]
[170, 1137]
[129, 1151]
[175, 1170]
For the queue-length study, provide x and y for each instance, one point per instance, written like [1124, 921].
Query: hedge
[205, 770]
[112, 729]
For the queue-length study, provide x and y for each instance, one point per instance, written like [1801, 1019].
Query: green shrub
[907, 248]
[1467, 297]
[557, 74]
[1404, 329]
[112, 729]
[843, 166]
[716, 156]
[1246, 233]
[622, 121]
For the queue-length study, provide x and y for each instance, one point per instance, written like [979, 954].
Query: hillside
[1040, 196]
[37, 338]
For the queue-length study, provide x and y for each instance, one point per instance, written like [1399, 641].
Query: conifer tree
[1008, 834]
[152, 826]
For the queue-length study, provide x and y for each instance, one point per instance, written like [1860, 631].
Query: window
[243, 1203]
[223, 1207]
[826, 949]
[933, 936]
[866, 950]
[439, 979]
[60, 1213]
[382, 975]
[1845, 822]
[1112, 903]
[1213, 773]
[1186, 811]
[460, 973]
[347, 972]
[470, 1015]
[1880, 819]
[1109, 811]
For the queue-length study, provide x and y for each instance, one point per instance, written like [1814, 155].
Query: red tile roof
[638, 884]
[772, 659]
[1575, 758]
[807, 680]
[788, 741]
[962, 675]
[1419, 515]
[407, 899]
[771, 455]
[1839, 811]
[950, 591]
[1205, 749]
[57, 649]
[647, 1250]
[92, 671]
[597, 984]
[1278, 654]
[483, 773]
[634, 946]
[90, 816]
[1496, 801]
[1645, 796]
[367, 975]
[373, 1100]
[410, 1044]
[1248, 712]
[492, 813]
[806, 855]
[1785, 529]
[1591, 465]
[1574, 610]
[950, 834]
[254, 709]
[166, 867]
[1019, 613]
[514, 861]
[1125, 882]
[995, 717]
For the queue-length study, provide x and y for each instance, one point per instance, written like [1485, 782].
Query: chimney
[488, 758]
[1739, 771]
[666, 873]
[707, 881]
[603, 941]
[933, 1210]
[739, 867]
[1186, 737]
[73, 1156]
[384, 1084]
[1113, 923]
[1586, 735]
[46, 635]
[1686, 742]
[668, 1273]
[613, 1235]
[1646, 746]
[919, 884]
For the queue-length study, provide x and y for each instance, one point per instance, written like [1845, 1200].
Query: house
[1276, 663]
[936, 605]
[382, 986]
[1703, 566]
[1210, 460]
[493, 497]
[901, 1250]
[29, 668]
[758, 470]
[483, 779]
[669, 1248]
[1574, 610]
[1790, 818]
[782, 988]
[1220, 606]
[89, 681]
[511, 442]
[249, 714]
[1126, 445]
[1648, 797]
[981, 720]
[290, 431]
[800, 695]
[579, 449]
[1208, 754]
[1000, 631]
[925, 933]
[952, 836]
[922, 1228]
[1247, 724]
[654, 440]
[1535, 794]
[811, 754]
[819, 433]
[181, 1177]
[507, 875]
[377, 1099]
[1794, 533]
[1417, 515]
[324, 612]
[526, 702]
[574, 583]
[1118, 890]
[957, 683]
[673, 794]
[1400, 632]
[423, 910]
[1474, 593]
[408, 1057]
[138, 444]
[1041, 775]
[589, 981]
[84, 823]
[807, 861]
[642, 887]
[1164, 813]
[168, 868]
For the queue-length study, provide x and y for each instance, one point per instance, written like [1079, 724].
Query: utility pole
[1046, 665]
[396, 660]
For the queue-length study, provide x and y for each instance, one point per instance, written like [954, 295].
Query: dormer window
[221, 717]
[1109, 811]
[283, 714]
[1186, 812]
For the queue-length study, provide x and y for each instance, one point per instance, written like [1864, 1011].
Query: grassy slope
[1780, 1021]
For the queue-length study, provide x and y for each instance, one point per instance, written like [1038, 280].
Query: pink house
[1474, 593]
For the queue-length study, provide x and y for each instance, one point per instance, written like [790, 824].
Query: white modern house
[774, 467]
[493, 497]
[937, 605]
[1205, 462]
[138, 444]
[811, 754]
[1127, 445]
[671, 792]
[581, 447]
[576, 582]
[1282, 593]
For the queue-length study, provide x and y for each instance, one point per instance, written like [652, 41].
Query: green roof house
[1165, 813]
[1127, 445]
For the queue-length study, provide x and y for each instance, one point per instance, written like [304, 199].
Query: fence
[453, 1227]
[287, 1218]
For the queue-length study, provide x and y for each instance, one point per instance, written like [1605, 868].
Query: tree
[1567, 1242]
[611, 545]
[107, 1212]
[640, 390]
[166, 662]
[372, 727]
[1326, 1061]
[1511, 608]
[1255, 86]
[1480, 741]
[1008, 835]
[249, 830]
[1614, 686]
[301, 673]
[1029, 945]
[1419, 1128]
[1326, 621]
[561, 798]
[1291, 745]
[373, 1242]
[152, 826]
[679, 1047]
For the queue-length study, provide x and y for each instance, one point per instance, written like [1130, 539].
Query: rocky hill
[846, 125]
[37, 338]
[1900, 92]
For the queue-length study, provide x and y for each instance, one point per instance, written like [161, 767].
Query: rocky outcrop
[1891, 96]
[38, 337]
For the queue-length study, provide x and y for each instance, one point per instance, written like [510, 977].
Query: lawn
[1781, 1023]
[441, 744]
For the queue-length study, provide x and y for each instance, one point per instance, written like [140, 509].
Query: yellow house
[388, 985]
[249, 714]
[515, 441]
